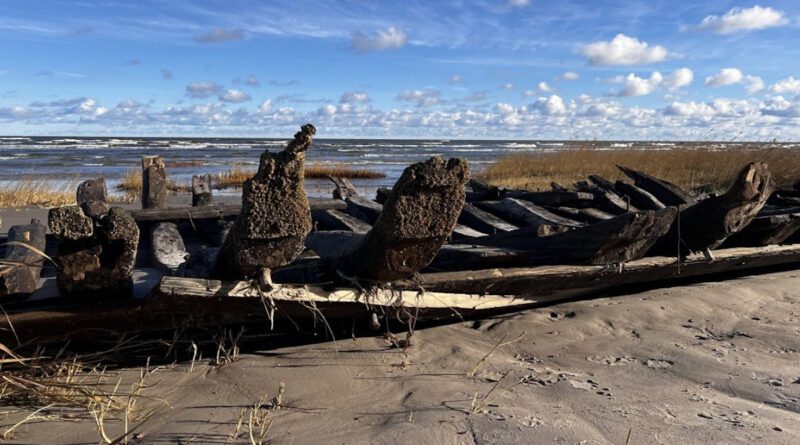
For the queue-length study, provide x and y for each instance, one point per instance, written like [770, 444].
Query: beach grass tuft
[693, 169]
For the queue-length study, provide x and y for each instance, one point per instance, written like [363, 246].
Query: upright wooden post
[23, 276]
[92, 196]
[154, 183]
[201, 191]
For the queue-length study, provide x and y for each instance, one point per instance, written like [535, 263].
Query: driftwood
[92, 196]
[461, 232]
[480, 191]
[623, 238]
[707, 224]
[338, 220]
[202, 194]
[96, 256]
[19, 273]
[483, 221]
[416, 220]
[154, 183]
[472, 257]
[216, 211]
[585, 215]
[362, 208]
[638, 196]
[668, 193]
[526, 213]
[382, 194]
[276, 215]
[168, 250]
[765, 230]
[344, 188]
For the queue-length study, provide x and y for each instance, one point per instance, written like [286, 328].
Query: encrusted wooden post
[201, 190]
[96, 255]
[23, 276]
[275, 217]
[154, 183]
[92, 196]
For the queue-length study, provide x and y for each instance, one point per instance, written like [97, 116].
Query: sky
[457, 69]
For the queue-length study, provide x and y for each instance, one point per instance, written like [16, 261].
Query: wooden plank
[639, 197]
[765, 230]
[483, 221]
[154, 182]
[666, 192]
[363, 208]
[344, 188]
[337, 220]
[526, 213]
[217, 211]
[554, 198]
[202, 192]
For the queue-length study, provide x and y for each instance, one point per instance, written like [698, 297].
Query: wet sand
[707, 363]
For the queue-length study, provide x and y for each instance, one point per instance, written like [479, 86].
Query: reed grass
[131, 183]
[690, 168]
[41, 193]
[237, 174]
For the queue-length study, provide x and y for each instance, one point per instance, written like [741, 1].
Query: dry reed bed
[234, 177]
[693, 169]
[41, 193]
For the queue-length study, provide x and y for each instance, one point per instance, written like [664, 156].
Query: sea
[69, 160]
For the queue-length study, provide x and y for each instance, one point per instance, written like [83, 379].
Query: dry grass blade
[499, 344]
[32, 248]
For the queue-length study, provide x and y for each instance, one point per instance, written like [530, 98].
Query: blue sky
[442, 69]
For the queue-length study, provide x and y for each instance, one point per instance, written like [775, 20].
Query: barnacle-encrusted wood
[275, 217]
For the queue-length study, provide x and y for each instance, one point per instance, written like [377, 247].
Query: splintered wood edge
[193, 287]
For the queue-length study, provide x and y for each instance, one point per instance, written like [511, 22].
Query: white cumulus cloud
[354, 97]
[745, 19]
[569, 75]
[422, 98]
[391, 38]
[623, 50]
[726, 76]
[679, 78]
[544, 87]
[234, 96]
[788, 85]
[753, 84]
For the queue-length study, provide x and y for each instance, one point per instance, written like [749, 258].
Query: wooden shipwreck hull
[437, 246]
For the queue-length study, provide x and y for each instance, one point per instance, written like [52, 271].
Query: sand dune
[707, 363]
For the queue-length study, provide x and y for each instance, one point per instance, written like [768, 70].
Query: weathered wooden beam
[525, 213]
[668, 193]
[472, 257]
[623, 238]
[338, 220]
[554, 198]
[765, 230]
[606, 199]
[202, 192]
[216, 211]
[20, 272]
[585, 215]
[415, 222]
[363, 208]
[276, 216]
[552, 283]
[461, 232]
[708, 223]
[481, 191]
[344, 188]
[639, 197]
[154, 182]
[483, 221]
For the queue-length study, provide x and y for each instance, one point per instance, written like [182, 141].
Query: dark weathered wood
[605, 199]
[668, 193]
[638, 196]
[382, 194]
[154, 183]
[602, 182]
[585, 215]
[784, 198]
[769, 211]
[765, 230]
[338, 220]
[708, 223]
[216, 211]
[202, 194]
[471, 257]
[168, 250]
[554, 198]
[92, 196]
[276, 215]
[415, 222]
[525, 213]
[344, 188]
[623, 238]
[461, 232]
[332, 244]
[364, 209]
[483, 221]
[553, 283]
[481, 191]
[20, 274]
[180, 303]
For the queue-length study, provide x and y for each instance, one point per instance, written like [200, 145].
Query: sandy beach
[706, 363]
